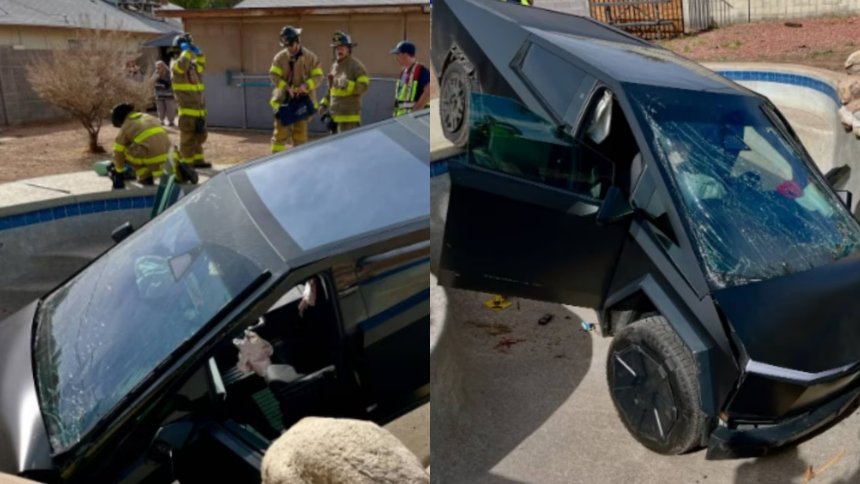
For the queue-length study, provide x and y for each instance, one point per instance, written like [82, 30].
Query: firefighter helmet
[290, 35]
[178, 41]
[119, 113]
[342, 39]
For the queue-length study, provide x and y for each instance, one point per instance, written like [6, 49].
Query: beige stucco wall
[38, 38]
[252, 51]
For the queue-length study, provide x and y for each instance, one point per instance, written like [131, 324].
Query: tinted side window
[507, 137]
[553, 78]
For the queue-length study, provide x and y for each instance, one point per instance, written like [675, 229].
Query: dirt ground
[50, 149]
[823, 42]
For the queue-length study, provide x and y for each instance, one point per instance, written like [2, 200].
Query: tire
[653, 382]
[454, 94]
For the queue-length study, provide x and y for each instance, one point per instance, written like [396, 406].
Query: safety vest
[404, 94]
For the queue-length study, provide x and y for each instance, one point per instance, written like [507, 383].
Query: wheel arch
[646, 296]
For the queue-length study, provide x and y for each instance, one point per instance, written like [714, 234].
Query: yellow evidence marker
[497, 303]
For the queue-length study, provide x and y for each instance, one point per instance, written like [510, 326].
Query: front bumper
[727, 443]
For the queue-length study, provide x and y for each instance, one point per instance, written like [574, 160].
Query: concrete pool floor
[537, 409]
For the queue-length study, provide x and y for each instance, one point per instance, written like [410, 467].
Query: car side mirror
[846, 197]
[615, 207]
[122, 232]
[170, 438]
[838, 176]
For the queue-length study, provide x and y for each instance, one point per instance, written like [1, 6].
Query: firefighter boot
[186, 173]
[116, 178]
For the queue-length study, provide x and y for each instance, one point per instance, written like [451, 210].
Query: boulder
[849, 89]
[846, 117]
[340, 451]
[852, 65]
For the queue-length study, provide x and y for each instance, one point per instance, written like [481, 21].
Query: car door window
[507, 137]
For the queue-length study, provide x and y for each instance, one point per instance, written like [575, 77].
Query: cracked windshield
[756, 210]
[103, 332]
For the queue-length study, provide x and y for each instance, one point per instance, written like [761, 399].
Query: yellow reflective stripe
[147, 161]
[141, 173]
[282, 84]
[348, 118]
[317, 72]
[192, 112]
[199, 68]
[363, 79]
[311, 84]
[344, 92]
[276, 70]
[119, 148]
[201, 59]
[186, 54]
[177, 68]
[149, 132]
[278, 148]
[324, 102]
[188, 87]
[274, 104]
[198, 156]
[134, 115]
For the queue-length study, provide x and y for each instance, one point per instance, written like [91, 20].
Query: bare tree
[89, 76]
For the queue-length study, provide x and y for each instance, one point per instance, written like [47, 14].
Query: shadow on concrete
[516, 375]
[786, 465]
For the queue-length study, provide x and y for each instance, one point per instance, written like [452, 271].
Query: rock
[849, 90]
[852, 65]
[340, 451]
[846, 117]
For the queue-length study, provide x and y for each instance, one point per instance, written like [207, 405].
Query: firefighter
[186, 70]
[347, 82]
[142, 142]
[412, 91]
[295, 72]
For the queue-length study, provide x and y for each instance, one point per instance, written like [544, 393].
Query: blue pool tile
[150, 200]
[112, 205]
[5, 223]
[73, 210]
[125, 203]
[46, 215]
[17, 221]
[31, 218]
[138, 202]
[59, 212]
[86, 207]
[98, 206]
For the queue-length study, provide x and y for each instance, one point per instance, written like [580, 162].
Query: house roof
[325, 3]
[81, 13]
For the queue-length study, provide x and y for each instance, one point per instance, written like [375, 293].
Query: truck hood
[808, 321]
[24, 444]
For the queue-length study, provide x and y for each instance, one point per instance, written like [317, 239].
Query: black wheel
[455, 91]
[653, 383]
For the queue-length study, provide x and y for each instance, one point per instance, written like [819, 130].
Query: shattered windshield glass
[755, 208]
[100, 334]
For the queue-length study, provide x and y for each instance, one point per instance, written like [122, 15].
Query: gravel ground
[823, 42]
[51, 149]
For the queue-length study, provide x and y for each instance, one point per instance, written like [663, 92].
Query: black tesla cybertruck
[129, 371]
[606, 172]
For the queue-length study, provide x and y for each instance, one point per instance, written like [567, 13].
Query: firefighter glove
[195, 49]
[184, 46]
